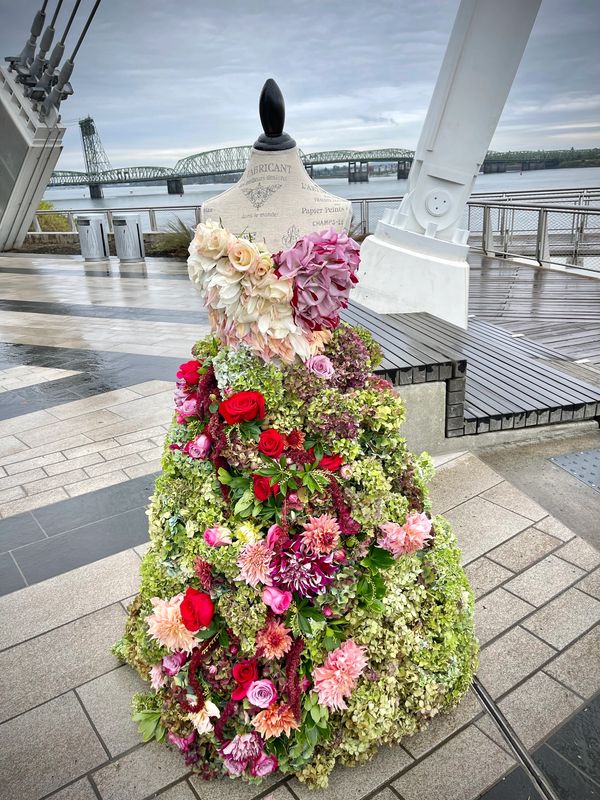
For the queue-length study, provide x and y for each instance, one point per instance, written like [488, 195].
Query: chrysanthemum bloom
[201, 719]
[296, 569]
[275, 720]
[336, 679]
[321, 534]
[274, 640]
[418, 530]
[157, 678]
[166, 626]
[408, 538]
[255, 563]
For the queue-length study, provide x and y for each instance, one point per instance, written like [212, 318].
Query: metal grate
[583, 464]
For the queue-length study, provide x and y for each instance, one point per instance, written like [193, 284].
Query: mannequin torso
[277, 202]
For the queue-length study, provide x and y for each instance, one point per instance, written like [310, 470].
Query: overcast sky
[167, 79]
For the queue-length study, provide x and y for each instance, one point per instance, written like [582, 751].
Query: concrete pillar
[96, 191]
[174, 186]
[416, 260]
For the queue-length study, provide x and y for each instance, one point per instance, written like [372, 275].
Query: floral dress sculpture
[299, 605]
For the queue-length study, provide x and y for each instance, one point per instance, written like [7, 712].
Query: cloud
[164, 80]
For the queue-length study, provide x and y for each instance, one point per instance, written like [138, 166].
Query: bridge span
[232, 161]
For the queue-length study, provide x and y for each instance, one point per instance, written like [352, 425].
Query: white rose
[243, 254]
[212, 240]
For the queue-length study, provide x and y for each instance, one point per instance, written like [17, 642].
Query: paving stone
[568, 782]
[57, 554]
[580, 553]
[534, 709]
[65, 657]
[37, 609]
[31, 453]
[484, 575]
[591, 584]
[140, 773]
[509, 659]
[45, 748]
[182, 791]
[544, 580]
[460, 769]
[99, 401]
[578, 667]
[107, 700]
[524, 549]
[60, 480]
[19, 530]
[54, 430]
[9, 445]
[555, 527]
[99, 482]
[498, 611]
[460, 480]
[81, 790]
[480, 526]
[21, 478]
[443, 726]
[47, 459]
[352, 783]
[11, 579]
[232, 789]
[73, 463]
[508, 496]
[565, 618]
[32, 502]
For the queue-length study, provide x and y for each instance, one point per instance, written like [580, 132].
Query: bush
[175, 241]
[52, 222]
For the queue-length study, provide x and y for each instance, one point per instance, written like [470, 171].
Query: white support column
[29, 151]
[416, 260]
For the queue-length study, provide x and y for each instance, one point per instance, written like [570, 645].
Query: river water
[194, 195]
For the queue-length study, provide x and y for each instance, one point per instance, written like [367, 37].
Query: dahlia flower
[201, 719]
[157, 678]
[273, 640]
[243, 748]
[296, 569]
[336, 679]
[166, 626]
[321, 534]
[254, 563]
[275, 720]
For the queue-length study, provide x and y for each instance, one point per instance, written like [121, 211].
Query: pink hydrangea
[323, 266]
[336, 679]
[400, 540]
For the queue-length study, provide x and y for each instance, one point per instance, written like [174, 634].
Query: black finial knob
[271, 108]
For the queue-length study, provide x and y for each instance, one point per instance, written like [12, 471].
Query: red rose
[332, 463]
[262, 487]
[245, 671]
[197, 609]
[241, 690]
[243, 407]
[271, 443]
[189, 372]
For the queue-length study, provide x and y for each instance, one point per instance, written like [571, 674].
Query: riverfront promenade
[87, 365]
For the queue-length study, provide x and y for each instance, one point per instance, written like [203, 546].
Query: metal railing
[563, 235]
[551, 232]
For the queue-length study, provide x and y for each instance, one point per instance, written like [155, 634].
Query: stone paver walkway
[66, 731]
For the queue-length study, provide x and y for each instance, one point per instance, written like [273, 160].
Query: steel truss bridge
[232, 160]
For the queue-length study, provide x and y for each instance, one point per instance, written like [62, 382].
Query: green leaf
[378, 558]
[213, 408]
[315, 713]
[224, 476]
[312, 734]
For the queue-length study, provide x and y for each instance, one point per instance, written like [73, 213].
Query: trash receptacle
[93, 237]
[129, 238]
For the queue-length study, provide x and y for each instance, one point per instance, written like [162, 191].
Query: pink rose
[173, 663]
[339, 556]
[189, 408]
[217, 536]
[321, 366]
[277, 600]
[262, 693]
[274, 534]
[263, 765]
[233, 767]
[198, 447]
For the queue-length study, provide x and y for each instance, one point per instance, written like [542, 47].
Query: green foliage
[52, 222]
[176, 240]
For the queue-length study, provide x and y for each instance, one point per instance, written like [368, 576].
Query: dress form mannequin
[275, 200]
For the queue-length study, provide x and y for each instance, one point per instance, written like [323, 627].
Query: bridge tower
[94, 155]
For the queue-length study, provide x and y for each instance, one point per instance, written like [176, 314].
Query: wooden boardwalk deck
[504, 371]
